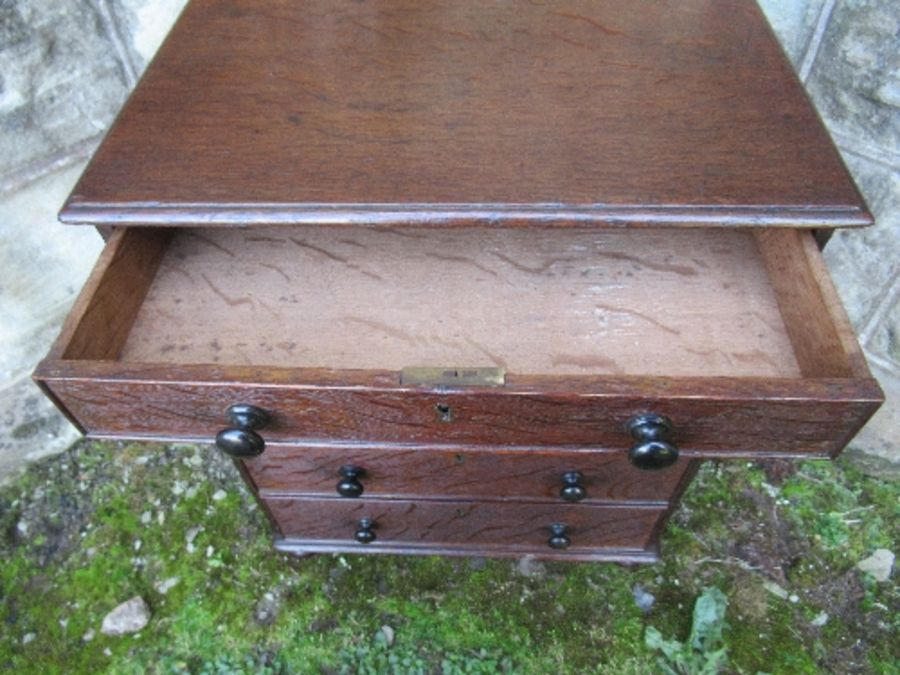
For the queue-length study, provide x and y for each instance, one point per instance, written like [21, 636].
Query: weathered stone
[879, 564]
[30, 427]
[129, 617]
[60, 86]
[40, 274]
[879, 437]
[885, 334]
[794, 23]
[386, 636]
[855, 81]
[144, 24]
[642, 598]
[775, 589]
[42, 266]
[267, 609]
[527, 566]
[190, 536]
[820, 619]
[864, 262]
[167, 585]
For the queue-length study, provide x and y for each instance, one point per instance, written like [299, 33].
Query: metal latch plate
[453, 377]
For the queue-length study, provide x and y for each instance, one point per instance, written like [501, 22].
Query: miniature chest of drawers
[467, 278]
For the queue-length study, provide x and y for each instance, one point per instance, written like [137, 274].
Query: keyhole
[460, 459]
[444, 412]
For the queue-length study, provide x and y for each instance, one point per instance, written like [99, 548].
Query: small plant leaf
[654, 640]
[709, 620]
[705, 652]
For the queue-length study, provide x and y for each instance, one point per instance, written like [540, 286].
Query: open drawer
[735, 335]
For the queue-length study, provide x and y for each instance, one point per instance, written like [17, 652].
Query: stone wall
[847, 53]
[67, 66]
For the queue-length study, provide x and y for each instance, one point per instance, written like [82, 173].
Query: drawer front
[711, 418]
[464, 526]
[484, 474]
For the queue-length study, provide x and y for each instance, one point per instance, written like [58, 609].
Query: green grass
[70, 552]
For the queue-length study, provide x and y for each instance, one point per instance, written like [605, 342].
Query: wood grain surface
[493, 474]
[524, 528]
[619, 302]
[104, 312]
[824, 341]
[713, 417]
[446, 113]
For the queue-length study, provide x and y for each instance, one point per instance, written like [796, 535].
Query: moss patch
[104, 522]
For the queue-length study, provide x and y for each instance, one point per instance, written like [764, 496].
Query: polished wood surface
[823, 339]
[476, 526]
[486, 474]
[715, 417]
[538, 301]
[103, 315]
[446, 113]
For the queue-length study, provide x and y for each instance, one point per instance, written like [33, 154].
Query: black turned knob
[572, 489]
[558, 539]
[653, 449]
[365, 535]
[349, 485]
[240, 440]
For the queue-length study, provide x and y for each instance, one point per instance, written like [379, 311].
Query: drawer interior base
[653, 302]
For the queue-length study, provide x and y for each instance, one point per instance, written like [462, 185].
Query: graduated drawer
[736, 336]
[466, 528]
[462, 473]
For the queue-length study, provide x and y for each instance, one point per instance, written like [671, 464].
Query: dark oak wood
[824, 342]
[412, 111]
[717, 417]
[485, 474]
[101, 319]
[476, 527]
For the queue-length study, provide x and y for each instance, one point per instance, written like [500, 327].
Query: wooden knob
[365, 535]
[572, 489]
[653, 449]
[240, 440]
[559, 539]
[349, 485]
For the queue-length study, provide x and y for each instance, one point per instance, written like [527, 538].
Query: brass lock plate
[453, 377]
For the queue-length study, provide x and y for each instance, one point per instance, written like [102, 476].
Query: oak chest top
[438, 113]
